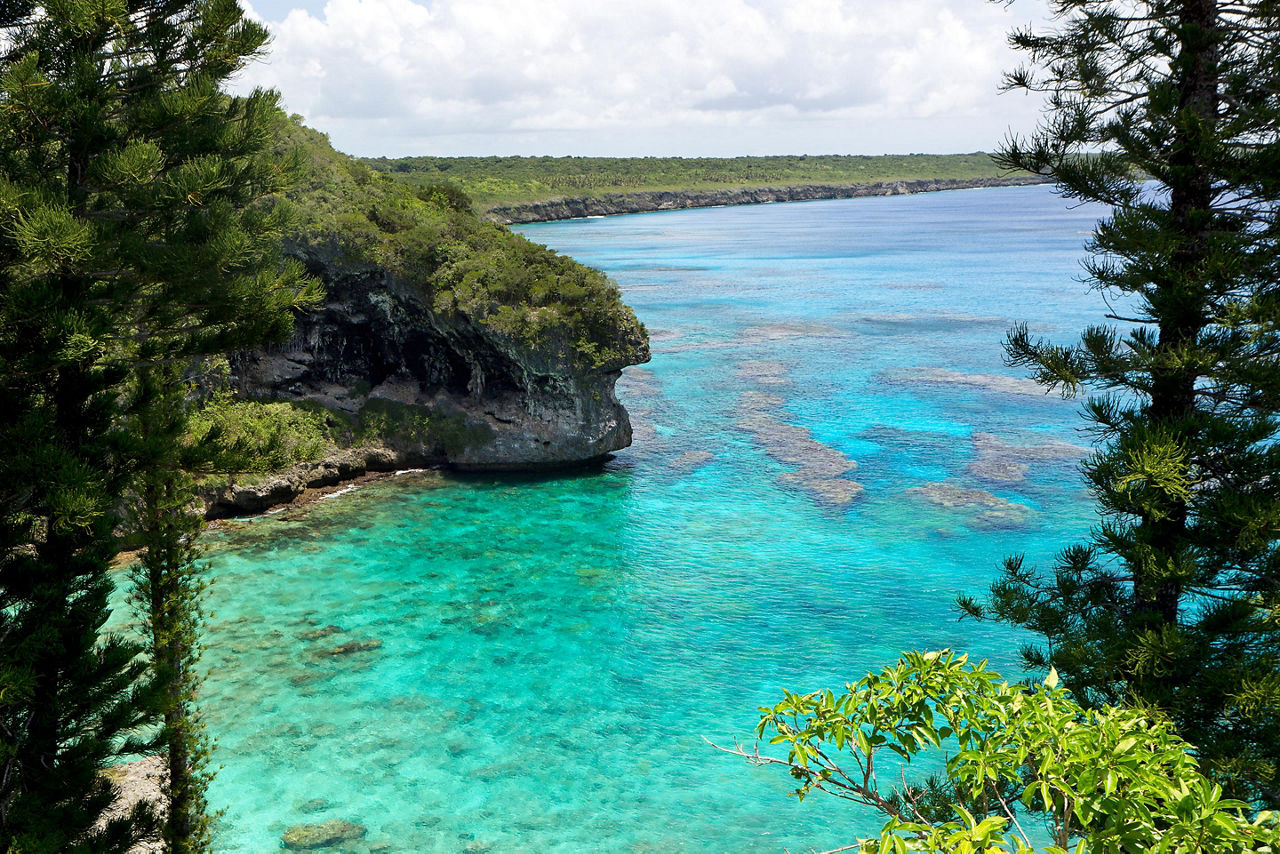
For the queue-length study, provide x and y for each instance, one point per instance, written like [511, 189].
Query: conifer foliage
[167, 592]
[137, 234]
[1168, 112]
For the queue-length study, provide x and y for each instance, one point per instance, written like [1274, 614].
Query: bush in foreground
[1024, 766]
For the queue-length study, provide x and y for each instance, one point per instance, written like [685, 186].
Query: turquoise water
[553, 650]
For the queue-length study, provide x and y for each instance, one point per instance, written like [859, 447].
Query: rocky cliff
[621, 203]
[446, 338]
[447, 387]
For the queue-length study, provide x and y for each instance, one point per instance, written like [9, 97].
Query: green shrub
[382, 419]
[443, 194]
[229, 435]
[1016, 756]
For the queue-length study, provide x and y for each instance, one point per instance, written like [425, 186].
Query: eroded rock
[263, 492]
[459, 391]
[135, 782]
[663, 200]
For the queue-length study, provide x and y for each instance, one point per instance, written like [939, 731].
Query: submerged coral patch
[690, 460]
[764, 372]
[758, 401]
[990, 444]
[999, 461]
[914, 286]
[327, 834]
[638, 383]
[317, 634]
[792, 329]
[348, 648]
[932, 320]
[818, 467]
[998, 470]
[643, 431]
[989, 510]
[986, 382]
[710, 344]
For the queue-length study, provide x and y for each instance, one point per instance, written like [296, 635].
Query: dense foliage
[1026, 768]
[352, 214]
[495, 181]
[251, 436]
[137, 235]
[1175, 602]
[166, 595]
[234, 439]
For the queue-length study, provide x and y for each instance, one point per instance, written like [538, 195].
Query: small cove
[530, 663]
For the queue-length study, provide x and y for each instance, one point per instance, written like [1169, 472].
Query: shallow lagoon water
[552, 650]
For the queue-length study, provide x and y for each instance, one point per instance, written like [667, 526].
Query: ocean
[828, 450]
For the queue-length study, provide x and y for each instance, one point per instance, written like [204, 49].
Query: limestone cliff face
[622, 203]
[445, 386]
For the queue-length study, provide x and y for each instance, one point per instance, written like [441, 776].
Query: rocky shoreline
[303, 482]
[648, 202]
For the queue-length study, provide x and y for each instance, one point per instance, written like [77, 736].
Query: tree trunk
[1183, 314]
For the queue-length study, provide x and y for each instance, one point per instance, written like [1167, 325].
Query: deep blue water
[555, 649]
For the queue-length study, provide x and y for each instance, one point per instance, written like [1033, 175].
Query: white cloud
[647, 76]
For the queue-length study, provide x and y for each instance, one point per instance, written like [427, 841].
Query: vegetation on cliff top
[497, 181]
[429, 236]
[254, 436]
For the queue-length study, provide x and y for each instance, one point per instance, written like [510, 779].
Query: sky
[646, 77]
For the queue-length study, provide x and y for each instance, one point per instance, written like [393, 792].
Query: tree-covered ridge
[495, 181]
[430, 236]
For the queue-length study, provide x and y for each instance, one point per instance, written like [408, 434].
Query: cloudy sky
[646, 77]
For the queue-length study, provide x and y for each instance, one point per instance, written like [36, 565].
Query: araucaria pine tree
[1169, 112]
[137, 235]
[167, 596]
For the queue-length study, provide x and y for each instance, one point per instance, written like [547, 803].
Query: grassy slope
[464, 263]
[494, 181]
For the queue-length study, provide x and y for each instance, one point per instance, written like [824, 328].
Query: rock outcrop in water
[453, 389]
[444, 338]
[666, 200]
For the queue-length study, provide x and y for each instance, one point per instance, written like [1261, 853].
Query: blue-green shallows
[538, 659]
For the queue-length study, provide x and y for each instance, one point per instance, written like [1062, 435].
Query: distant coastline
[611, 204]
